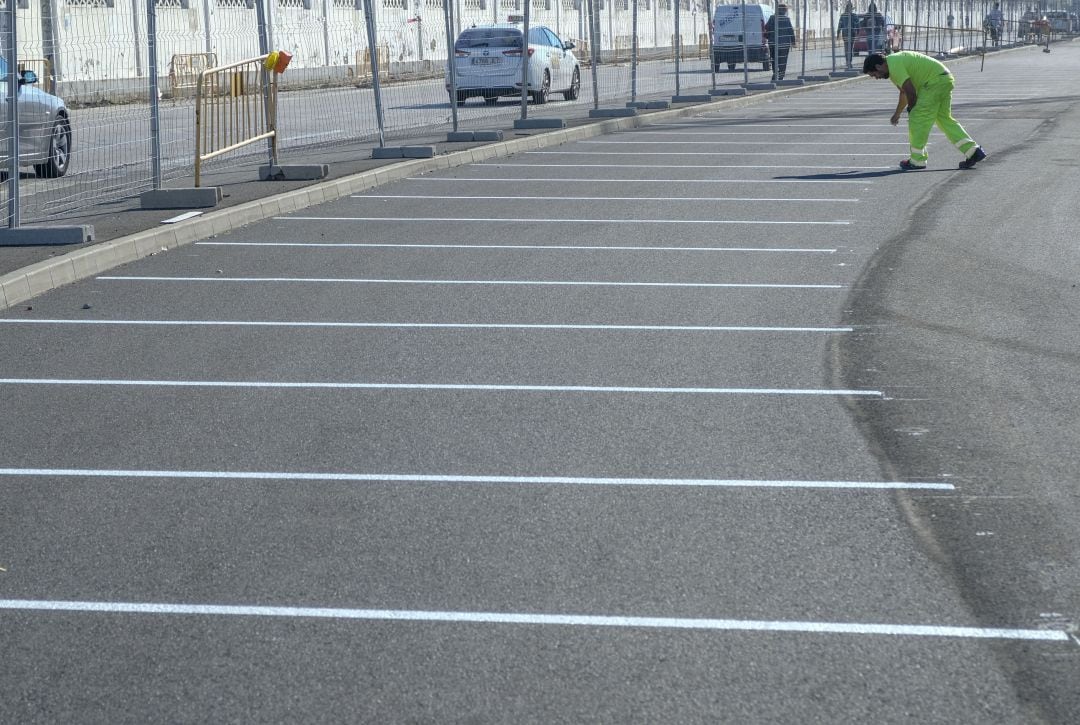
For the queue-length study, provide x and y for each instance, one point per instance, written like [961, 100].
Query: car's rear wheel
[572, 92]
[59, 151]
[541, 96]
[730, 66]
[461, 98]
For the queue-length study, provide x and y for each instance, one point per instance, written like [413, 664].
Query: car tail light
[461, 53]
[518, 52]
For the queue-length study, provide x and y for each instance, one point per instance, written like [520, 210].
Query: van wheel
[730, 66]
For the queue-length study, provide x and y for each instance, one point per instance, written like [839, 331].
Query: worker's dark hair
[872, 62]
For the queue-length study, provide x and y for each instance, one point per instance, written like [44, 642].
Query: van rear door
[727, 25]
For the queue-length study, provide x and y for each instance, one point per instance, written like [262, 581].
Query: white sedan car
[487, 63]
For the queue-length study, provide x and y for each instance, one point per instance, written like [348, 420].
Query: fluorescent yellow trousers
[934, 106]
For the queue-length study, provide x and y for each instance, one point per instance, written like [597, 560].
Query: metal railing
[330, 104]
[362, 72]
[235, 106]
[184, 71]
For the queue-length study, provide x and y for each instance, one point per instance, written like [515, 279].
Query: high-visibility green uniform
[934, 86]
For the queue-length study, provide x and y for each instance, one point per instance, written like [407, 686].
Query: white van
[727, 35]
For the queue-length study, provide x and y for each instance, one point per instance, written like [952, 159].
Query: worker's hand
[895, 119]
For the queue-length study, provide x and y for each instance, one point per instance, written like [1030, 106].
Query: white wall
[100, 43]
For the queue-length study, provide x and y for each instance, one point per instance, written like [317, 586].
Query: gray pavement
[795, 443]
[135, 232]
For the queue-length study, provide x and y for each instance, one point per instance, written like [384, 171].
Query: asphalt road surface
[720, 420]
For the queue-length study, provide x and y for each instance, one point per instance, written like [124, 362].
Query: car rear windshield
[489, 38]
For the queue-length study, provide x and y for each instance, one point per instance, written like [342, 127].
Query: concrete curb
[36, 279]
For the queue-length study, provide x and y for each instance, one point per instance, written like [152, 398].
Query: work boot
[969, 163]
[906, 165]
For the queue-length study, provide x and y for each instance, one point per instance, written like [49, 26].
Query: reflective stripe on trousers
[934, 106]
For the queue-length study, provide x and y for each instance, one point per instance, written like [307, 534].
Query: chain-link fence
[353, 83]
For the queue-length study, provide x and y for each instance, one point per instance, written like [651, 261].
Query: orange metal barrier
[184, 70]
[363, 63]
[235, 105]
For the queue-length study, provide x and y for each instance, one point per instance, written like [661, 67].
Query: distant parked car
[487, 63]
[44, 127]
[1060, 22]
[887, 39]
[1026, 20]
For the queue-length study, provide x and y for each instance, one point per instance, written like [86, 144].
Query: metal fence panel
[94, 54]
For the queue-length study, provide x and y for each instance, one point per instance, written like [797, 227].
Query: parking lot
[718, 419]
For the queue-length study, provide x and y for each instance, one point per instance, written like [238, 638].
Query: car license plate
[486, 61]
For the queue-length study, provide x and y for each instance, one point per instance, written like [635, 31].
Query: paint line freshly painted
[609, 180]
[315, 385]
[649, 142]
[538, 619]
[695, 153]
[722, 124]
[641, 132]
[489, 479]
[499, 220]
[599, 198]
[431, 325]
[511, 282]
[336, 133]
[851, 169]
[559, 247]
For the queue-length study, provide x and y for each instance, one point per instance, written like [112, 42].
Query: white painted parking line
[432, 325]
[848, 169]
[759, 124]
[559, 247]
[721, 122]
[494, 282]
[609, 180]
[538, 619]
[490, 220]
[697, 153]
[754, 133]
[650, 142]
[465, 479]
[315, 385]
[485, 197]
[322, 134]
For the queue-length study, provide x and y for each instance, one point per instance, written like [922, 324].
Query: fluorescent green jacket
[921, 69]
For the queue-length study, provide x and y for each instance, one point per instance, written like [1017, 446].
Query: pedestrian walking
[781, 37]
[926, 87]
[994, 23]
[847, 29]
[874, 24]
